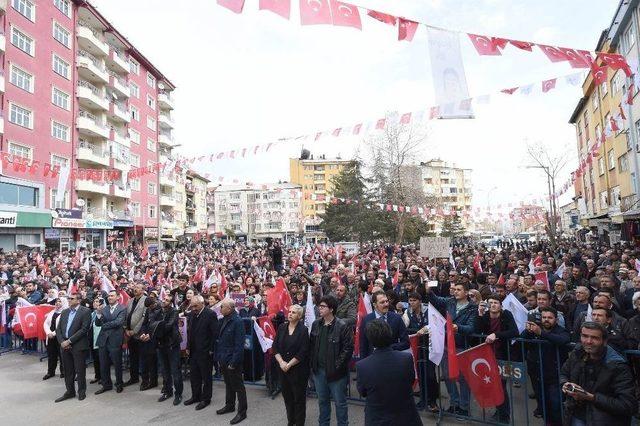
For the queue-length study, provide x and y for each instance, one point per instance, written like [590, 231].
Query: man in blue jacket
[385, 379]
[230, 354]
[400, 338]
[462, 313]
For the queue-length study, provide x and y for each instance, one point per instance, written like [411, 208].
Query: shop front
[22, 230]
[85, 233]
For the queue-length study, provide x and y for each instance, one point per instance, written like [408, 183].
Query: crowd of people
[577, 340]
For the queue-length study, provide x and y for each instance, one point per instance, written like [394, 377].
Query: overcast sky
[252, 78]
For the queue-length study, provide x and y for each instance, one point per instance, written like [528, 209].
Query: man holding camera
[597, 381]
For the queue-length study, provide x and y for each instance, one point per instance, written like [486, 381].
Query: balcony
[165, 121]
[1, 82]
[120, 165]
[119, 113]
[118, 61]
[90, 39]
[167, 200]
[119, 85]
[165, 101]
[120, 138]
[166, 140]
[168, 224]
[165, 157]
[90, 68]
[93, 154]
[3, 40]
[90, 186]
[88, 124]
[121, 192]
[90, 96]
[167, 180]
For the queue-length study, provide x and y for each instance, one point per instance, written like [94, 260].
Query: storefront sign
[122, 223]
[69, 213]
[8, 219]
[51, 234]
[59, 222]
[99, 224]
[151, 233]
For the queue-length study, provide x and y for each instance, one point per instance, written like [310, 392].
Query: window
[134, 66]
[61, 67]
[135, 113]
[61, 34]
[20, 151]
[59, 205]
[603, 200]
[22, 41]
[25, 8]
[135, 160]
[59, 161]
[135, 209]
[152, 212]
[623, 163]
[135, 90]
[611, 159]
[151, 188]
[60, 131]
[151, 80]
[18, 195]
[151, 123]
[601, 166]
[603, 88]
[151, 166]
[627, 39]
[151, 103]
[595, 101]
[63, 6]
[21, 116]
[134, 136]
[134, 184]
[60, 98]
[21, 79]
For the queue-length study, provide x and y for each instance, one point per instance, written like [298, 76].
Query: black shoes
[118, 388]
[81, 396]
[225, 410]
[48, 376]
[190, 401]
[164, 397]
[94, 381]
[65, 397]
[102, 390]
[129, 383]
[177, 400]
[202, 404]
[238, 418]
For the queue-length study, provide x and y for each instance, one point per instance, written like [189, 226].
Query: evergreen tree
[452, 227]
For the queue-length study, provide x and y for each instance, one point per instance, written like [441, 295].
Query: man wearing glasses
[72, 334]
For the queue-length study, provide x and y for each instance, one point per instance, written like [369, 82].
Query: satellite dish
[80, 202]
[161, 85]
[54, 214]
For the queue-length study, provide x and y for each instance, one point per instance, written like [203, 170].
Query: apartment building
[315, 176]
[79, 94]
[196, 215]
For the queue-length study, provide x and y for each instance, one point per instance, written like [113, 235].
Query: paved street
[26, 399]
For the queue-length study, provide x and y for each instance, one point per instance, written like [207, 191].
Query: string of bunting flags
[337, 13]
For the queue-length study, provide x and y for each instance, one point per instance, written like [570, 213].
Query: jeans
[171, 371]
[336, 390]
[457, 398]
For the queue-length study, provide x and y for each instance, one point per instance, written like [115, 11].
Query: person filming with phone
[597, 382]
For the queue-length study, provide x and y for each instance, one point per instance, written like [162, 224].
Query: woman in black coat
[291, 349]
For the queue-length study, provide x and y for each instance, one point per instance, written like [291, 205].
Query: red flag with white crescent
[383, 17]
[233, 5]
[345, 15]
[484, 45]
[406, 29]
[480, 369]
[314, 12]
[279, 7]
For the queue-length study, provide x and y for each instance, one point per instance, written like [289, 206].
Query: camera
[535, 317]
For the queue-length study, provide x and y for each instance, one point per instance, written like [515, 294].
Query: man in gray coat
[72, 334]
[111, 320]
[132, 326]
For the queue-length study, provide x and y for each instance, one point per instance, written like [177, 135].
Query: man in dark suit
[111, 320]
[72, 334]
[230, 354]
[385, 379]
[169, 352]
[400, 338]
[202, 332]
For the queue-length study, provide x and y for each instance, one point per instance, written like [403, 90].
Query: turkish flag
[406, 118]
[484, 45]
[452, 356]
[362, 312]
[548, 85]
[123, 297]
[414, 339]
[577, 59]
[522, 45]
[336, 132]
[614, 124]
[356, 129]
[278, 298]
[233, 5]
[32, 320]
[538, 261]
[542, 276]
[345, 15]
[501, 279]
[383, 17]
[616, 62]
[509, 91]
[406, 29]
[380, 123]
[314, 12]
[477, 266]
[480, 369]
[553, 53]
[279, 7]
[500, 43]
[265, 324]
[599, 74]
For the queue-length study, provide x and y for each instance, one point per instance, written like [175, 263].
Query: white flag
[519, 312]
[532, 267]
[589, 310]
[436, 334]
[367, 303]
[309, 312]
[33, 274]
[265, 342]
[63, 177]
[560, 270]
[105, 284]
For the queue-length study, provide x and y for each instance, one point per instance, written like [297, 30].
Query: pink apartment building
[76, 92]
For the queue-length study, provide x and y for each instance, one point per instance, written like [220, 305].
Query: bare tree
[552, 164]
[393, 175]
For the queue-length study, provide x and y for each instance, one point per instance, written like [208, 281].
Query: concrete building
[78, 94]
[449, 187]
[528, 218]
[315, 176]
[196, 217]
[256, 212]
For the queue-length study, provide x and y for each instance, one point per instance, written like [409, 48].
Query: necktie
[384, 317]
